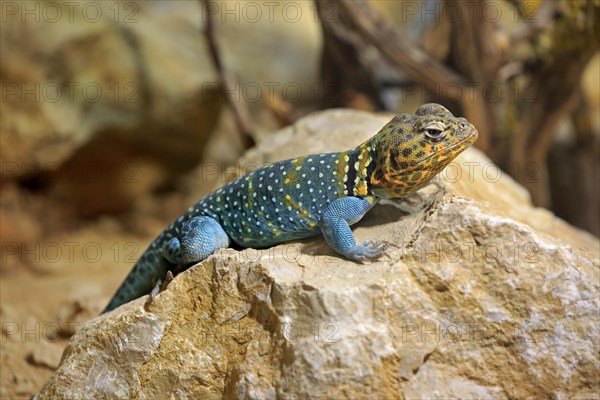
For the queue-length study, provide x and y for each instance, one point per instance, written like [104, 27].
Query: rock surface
[482, 296]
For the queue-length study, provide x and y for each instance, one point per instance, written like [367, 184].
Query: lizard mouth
[471, 137]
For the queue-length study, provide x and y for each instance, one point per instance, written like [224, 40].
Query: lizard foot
[160, 286]
[168, 279]
[153, 294]
[369, 250]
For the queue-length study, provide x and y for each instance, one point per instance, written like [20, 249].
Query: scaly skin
[306, 196]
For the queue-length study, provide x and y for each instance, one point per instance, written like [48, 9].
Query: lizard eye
[435, 131]
[462, 126]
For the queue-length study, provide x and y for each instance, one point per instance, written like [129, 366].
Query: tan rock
[97, 100]
[479, 298]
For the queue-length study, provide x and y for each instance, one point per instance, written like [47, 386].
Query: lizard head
[411, 149]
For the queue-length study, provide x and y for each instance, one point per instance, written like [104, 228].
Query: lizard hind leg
[199, 238]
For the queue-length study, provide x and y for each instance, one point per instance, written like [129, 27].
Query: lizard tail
[140, 279]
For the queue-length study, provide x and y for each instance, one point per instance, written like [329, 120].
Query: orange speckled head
[411, 149]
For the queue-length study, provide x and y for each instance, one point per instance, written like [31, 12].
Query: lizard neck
[392, 175]
[358, 166]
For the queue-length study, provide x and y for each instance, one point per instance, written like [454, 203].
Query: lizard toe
[369, 250]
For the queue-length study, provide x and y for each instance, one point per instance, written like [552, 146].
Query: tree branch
[412, 60]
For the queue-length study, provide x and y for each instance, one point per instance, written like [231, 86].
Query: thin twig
[240, 111]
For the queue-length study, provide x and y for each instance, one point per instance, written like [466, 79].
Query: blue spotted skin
[307, 196]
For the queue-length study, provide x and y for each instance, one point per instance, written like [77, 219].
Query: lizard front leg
[199, 238]
[335, 225]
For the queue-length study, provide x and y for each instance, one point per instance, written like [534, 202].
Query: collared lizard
[306, 196]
